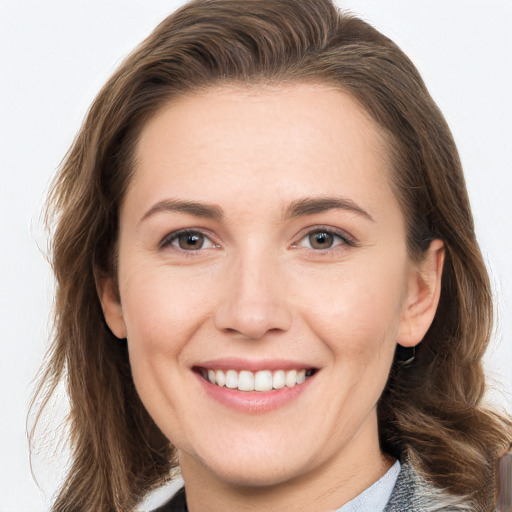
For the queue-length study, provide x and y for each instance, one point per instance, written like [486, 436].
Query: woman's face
[261, 244]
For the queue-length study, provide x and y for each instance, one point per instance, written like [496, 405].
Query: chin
[260, 467]
[255, 474]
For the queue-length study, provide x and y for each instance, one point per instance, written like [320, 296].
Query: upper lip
[235, 363]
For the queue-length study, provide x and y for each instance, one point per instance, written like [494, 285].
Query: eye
[323, 239]
[187, 241]
[320, 240]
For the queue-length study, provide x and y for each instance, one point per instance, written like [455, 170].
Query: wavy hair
[431, 411]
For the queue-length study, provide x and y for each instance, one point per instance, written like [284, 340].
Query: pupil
[191, 241]
[320, 240]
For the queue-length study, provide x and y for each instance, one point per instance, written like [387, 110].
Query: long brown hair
[431, 410]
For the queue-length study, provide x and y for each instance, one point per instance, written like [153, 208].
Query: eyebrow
[205, 210]
[297, 208]
[312, 205]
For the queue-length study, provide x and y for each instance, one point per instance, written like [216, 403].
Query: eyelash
[168, 240]
[341, 236]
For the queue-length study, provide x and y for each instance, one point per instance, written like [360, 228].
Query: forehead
[295, 138]
[290, 111]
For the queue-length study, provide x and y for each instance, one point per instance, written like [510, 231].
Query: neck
[326, 486]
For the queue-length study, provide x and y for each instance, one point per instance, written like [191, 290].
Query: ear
[423, 292]
[108, 294]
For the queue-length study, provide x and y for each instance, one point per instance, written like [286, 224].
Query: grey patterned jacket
[413, 494]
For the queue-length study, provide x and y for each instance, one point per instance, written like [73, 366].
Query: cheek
[158, 303]
[357, 311]
[161, 317]
[161, 314]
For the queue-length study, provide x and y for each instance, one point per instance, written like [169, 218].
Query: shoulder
[412, 493]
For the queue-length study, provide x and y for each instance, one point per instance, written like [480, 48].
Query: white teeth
[232, 379]
[263, 380]
[245, 381]
[220, 378]
[291, 378]
[278, 379]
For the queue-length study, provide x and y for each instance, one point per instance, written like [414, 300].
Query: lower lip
[254, 401]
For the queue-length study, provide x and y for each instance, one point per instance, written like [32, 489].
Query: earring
[405, 356]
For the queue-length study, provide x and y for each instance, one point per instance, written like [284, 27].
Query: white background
[54, 57]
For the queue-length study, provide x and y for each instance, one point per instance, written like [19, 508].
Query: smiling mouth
[262, 380]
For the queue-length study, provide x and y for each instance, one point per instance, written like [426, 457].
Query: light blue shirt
[376, 497]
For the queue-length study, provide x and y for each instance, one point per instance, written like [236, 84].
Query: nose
[254, 302]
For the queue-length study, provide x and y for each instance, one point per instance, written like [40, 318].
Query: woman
[267, 273]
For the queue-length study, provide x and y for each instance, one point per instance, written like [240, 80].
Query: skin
[258, 290]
